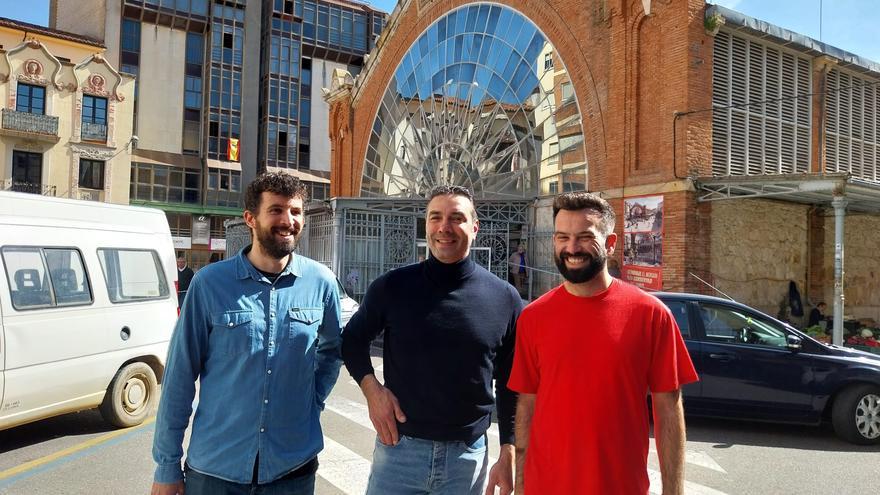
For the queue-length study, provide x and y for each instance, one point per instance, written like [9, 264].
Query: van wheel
[856, 414]
[131, 396]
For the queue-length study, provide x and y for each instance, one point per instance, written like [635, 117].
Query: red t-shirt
[591, 361]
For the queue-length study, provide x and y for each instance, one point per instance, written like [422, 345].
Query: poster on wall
[643, 241]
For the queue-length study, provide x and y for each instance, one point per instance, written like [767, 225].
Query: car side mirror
[793, 342]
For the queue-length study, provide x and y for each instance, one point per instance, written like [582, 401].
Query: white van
[87, 308]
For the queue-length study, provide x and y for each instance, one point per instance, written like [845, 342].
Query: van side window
[133, 274]
[46, 277]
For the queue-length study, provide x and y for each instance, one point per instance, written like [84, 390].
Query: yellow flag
[232, 150]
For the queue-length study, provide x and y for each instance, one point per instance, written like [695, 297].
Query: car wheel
[856, 414]
[131, 396]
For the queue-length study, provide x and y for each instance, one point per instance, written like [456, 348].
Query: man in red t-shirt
[587, 353]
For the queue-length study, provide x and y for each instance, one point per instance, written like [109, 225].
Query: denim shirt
[266, 356]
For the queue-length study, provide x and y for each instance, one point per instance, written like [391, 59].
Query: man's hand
[384, 409]
[501, 474]
[167, 488]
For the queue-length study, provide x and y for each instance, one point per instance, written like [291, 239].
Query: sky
[846, 24]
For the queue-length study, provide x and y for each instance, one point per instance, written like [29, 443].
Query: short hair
[450, 190]
[582, 200]
[274, 182]
[821, 303]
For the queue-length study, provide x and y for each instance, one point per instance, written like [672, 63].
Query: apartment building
[66, 115]
[225, 89]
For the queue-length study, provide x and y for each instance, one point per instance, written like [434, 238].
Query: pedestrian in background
[587, 354]
[518, 264]
[449, 330]
[261, 333]
[184, 278]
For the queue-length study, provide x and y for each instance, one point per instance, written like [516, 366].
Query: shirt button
[266, 401]
[231, 324]
[272, 314]
[262, 430]
[269, 371]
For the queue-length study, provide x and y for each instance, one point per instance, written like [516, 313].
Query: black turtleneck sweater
[449, 330]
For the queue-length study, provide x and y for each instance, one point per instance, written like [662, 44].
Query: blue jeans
[420, 467]
[202, 484]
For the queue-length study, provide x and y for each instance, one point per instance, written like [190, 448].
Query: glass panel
[26, 275]
[471, 104]
[69, 280]
[132, 275]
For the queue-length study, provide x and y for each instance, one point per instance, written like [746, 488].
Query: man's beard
[580, 275]
[274, 247]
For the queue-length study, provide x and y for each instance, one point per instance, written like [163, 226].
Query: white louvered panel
[857, 106]
[755, 158]
[721, 75]
[720, 142]
[844, 122]
[804, 87]
[755, 83]
[843, 154]
[856, 157]
[737, 143]
[771, 147]
[803, 150]
[787, 149]
[831, 153]
[721, 70]
[789, 87]
[772, 84]
[739, 72]
[870, 162]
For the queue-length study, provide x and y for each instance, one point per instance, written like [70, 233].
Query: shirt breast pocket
[304, 323]
[232, 333]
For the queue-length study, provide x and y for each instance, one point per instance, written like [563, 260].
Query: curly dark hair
[273, 182]
[583, 200]
[450, 190]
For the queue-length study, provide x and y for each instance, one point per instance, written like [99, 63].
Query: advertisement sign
[182, 242]
[218, 244]
[201, 230]
[643, 241]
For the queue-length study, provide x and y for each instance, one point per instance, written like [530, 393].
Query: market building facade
[737, 154]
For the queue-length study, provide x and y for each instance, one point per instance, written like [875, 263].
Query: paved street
[78, 453]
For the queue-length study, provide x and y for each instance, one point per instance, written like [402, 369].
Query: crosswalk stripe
[690, 488]
[697, 458]
[344, 468]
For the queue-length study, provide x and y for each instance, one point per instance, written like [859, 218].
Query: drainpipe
[839, 204]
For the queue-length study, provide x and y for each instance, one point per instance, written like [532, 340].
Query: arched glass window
[482, 100]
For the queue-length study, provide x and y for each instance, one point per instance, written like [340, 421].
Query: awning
[812, 189]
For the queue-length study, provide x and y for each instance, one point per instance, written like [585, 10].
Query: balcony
[30, 125]
[27, 187]
[94, 132]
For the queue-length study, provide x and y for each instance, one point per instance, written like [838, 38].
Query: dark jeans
[202, 484]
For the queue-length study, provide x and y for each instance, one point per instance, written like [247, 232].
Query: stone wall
[861, 283]
[757, 247]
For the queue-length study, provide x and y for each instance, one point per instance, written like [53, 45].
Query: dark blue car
[755, 367]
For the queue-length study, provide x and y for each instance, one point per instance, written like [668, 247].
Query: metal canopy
[810, 189]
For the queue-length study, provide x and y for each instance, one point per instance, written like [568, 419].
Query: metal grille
[852, 125]
[759, 138]
[375, 243]
[495, 236]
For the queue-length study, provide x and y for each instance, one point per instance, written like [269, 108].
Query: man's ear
[610, 243]
[476, 226]
[249, 218]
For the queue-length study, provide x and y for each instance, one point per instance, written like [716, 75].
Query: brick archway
[417, 15]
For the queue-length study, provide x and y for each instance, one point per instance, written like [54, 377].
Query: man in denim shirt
[261, 332]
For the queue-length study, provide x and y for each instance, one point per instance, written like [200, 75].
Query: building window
[27, 172]
[94, 118]
[548, 61]
[91, 174]
[164, 184]
[567, 92]
[31, 99]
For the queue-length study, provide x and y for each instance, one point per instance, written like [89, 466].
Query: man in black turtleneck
[449, 330]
